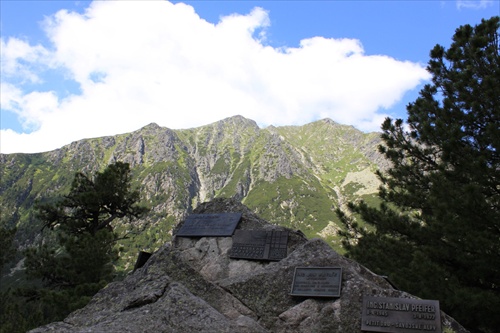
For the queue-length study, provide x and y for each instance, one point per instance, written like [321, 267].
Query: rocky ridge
[294, 176]
[191, 285]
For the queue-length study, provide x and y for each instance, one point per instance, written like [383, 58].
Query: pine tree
[437, 231]
[6, 240]
[76, 255]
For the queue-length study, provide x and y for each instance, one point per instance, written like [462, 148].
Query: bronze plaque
[209, 225]
[400, 315]
[259, 245]
[317, 282]
[142, 258]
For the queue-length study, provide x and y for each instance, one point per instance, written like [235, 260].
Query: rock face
[191, 285]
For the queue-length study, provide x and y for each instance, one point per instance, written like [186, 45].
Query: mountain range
[294, 176]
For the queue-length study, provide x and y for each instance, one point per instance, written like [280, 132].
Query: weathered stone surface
[191, 285]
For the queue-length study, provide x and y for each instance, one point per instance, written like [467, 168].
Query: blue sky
[79, 69]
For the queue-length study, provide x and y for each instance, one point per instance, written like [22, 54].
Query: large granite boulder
[191, 285]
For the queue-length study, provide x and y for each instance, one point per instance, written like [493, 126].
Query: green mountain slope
[294, 175]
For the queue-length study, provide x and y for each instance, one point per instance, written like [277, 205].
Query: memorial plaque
[317, 282]
[209, 225]
[259, 245]
[142, 259]
[400, 315]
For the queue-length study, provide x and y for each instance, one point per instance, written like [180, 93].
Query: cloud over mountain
[123, 64]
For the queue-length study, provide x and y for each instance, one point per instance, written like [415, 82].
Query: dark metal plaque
[209, 225]
[317, 282]
[259, 245]
[400, 315]
[142, 258]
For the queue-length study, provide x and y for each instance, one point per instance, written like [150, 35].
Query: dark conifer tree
[76, 255]
[437, 232]
[7, 251]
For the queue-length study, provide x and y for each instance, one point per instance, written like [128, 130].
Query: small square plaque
[317, 282]
[209, 225]
[259, 245]
[400, 315]
[142, 258]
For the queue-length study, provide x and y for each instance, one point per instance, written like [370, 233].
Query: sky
[82, 69]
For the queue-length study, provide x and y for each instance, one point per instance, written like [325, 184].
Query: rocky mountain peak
[192, 285]
[239, 120]
[153, 126]
[328, 121]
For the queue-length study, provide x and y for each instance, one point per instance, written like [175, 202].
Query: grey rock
[191, 285]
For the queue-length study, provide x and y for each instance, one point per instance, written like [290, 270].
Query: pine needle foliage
[6, 240]
[437, 231]
[77, 251]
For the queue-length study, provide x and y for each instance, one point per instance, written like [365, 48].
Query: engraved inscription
[215, 225]
[317, 281]
[259, 245]
[398, 315]
[242, 250]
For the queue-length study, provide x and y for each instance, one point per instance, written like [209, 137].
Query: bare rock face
[191, 285]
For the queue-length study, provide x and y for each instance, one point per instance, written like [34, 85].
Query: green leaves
[81, 222]
[75, 257]
[92, 204]
[6, 240]
[440, 219]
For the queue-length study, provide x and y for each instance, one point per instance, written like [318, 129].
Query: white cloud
[474, 4]
[143, 62]
[19, 59]
[10, 98]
